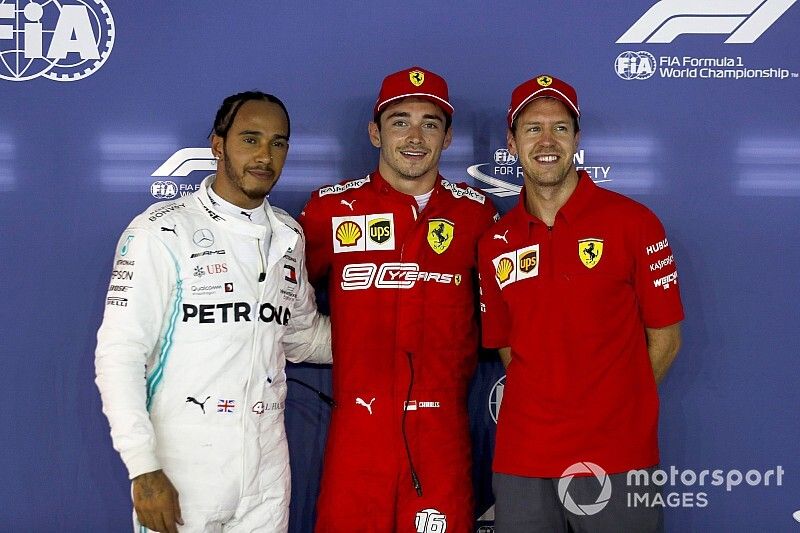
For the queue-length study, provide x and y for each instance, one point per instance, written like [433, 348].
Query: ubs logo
[63, 40]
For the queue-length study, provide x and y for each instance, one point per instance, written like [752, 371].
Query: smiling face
[545, 141]
[252, 154]
[411, 138]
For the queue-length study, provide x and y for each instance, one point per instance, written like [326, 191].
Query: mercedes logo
[203, 238]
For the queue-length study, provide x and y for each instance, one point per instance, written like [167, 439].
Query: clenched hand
[156, 502]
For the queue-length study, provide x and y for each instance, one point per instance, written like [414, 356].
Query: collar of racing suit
[381, 185]
[284, 237]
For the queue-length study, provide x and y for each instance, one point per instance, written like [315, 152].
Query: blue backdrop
[705, 132]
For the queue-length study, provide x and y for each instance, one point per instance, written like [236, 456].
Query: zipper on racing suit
[262, 275]
[415, 482]
[260, 291]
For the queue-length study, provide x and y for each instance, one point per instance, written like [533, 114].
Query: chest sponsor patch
[363, 233]
[340, 188]
[590, 251]
[440, 234]
[516, 265]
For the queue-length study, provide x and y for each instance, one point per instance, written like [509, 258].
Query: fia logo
[62, 41]
[635, 65]
[164, 190]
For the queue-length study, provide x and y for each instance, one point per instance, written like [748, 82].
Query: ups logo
[380, 230]
[527, 261]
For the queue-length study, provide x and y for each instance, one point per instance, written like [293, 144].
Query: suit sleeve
[656, 275]
[495, 323]
[319, 250]
[142, 291]
[308, 338]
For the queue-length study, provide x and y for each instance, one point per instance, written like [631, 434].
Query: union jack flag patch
[225, 406]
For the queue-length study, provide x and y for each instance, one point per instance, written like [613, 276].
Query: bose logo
[744, 20]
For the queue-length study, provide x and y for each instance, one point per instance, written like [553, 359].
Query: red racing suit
[402, 287]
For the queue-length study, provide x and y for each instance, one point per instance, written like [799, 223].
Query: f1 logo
[743, 20]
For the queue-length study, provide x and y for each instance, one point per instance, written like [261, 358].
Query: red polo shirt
[573, 301]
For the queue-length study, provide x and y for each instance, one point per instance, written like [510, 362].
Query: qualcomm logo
[743, 21]
[584, 469]
[181, 163]
[63, 40]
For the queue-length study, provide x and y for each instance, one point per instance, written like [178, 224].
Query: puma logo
[348, 204]
[501, 237]
[202, 405]
[359, 401]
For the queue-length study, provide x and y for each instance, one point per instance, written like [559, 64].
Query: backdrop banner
[692, 108]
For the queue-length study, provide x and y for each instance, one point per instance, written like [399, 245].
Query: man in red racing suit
[398, 248]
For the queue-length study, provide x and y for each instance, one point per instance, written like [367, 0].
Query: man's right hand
[156, 502]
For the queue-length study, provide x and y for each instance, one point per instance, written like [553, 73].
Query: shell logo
[348, 233]
[504, 268]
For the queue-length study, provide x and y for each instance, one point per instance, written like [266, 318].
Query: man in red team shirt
[398, 248]
[579, 293]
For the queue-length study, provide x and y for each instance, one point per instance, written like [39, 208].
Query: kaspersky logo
[744, 21]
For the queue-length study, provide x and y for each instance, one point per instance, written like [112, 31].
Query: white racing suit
[199, 322]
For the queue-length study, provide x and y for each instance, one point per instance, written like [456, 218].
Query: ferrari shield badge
[416, 77]
[590, 251]
[440, 234]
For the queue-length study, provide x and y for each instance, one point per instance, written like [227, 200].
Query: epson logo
[121, 274]
[235, 312]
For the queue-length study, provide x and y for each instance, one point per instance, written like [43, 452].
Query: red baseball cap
[414, 82]
[544, 86]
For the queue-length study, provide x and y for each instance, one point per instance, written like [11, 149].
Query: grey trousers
[532, 505]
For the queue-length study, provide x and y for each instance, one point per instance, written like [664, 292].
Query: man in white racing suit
[208, 298]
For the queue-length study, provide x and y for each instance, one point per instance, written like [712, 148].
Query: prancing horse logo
[440, 234]
[590, 251]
